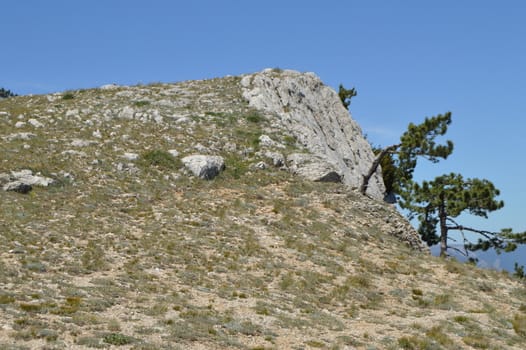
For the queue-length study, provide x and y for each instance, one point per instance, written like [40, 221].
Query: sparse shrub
[159, 159]
[118, 339]
[6, 299]
[436, 333]
[68, 96]
[519, 325]
[461, 319]
[418, 292]
[141, 103]
[478, 342]
[254, 118]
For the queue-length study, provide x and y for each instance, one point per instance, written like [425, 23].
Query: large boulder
[23, 181]
[313, 168]
[203, 166]
[314, 114]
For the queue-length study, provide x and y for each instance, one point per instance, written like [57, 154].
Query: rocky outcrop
[205, 167]
[23, 181]
[314, 114]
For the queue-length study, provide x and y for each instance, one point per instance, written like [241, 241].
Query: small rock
[109, 87]
[20, 124]
[35, 123]
[205, 167]
[72, 152]
[230, 147]
[266, 141]
[19, 136]
[130, 156]
[173, 152]
[72, 113]
[127, 113]
[278, 160]
[97, 134]
[260, 166]
[82, 143]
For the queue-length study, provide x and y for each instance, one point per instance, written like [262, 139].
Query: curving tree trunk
[374, 167]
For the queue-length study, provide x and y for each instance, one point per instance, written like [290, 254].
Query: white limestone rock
[130, 156]
[314, 114]
[203, 166]
[35, 123]
[313, 168]
[26, 176]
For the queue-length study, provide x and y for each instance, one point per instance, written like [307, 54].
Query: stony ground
[127, 250]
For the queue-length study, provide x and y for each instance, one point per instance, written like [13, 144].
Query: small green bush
[159, 159]
[118, 339]
[254, 118]
[68, 96]
[141, 103]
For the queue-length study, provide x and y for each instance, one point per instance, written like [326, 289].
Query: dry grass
[139, 255]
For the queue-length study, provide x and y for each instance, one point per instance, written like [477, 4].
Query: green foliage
[437, 202]
[388, 170]
[519, 271]
[400, 159]
[254, 118]
[118, 339]
[4, 93]
[68, 96]
[420, 141]
[346, 95]
[159, 159]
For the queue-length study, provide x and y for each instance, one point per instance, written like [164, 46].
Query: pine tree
[437, 203]
[346, 95]
[6, 93]
[417, 141]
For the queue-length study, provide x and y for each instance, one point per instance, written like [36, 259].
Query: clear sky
[407, 59]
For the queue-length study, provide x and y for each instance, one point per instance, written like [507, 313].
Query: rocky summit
[220, 214]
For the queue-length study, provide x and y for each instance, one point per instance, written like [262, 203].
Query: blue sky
[407, 59]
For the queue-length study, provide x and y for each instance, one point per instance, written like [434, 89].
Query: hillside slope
[118, 244]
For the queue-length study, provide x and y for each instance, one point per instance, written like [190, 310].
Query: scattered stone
[20, 124]
[97, 134]
[173, 152]
[260, 166]
[109, 87]
[278, 160]
[35, 123]
[82, 143]
[26, 176]
[72, 152]
[19, 136]
[127, 113]
[18, 186]
[73, 113]
[230, 147]
[266, 141]
[130, 156]
[128, 167]
[205, 167]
